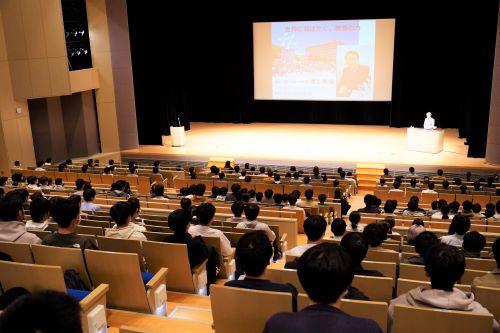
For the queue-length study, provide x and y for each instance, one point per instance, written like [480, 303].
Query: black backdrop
[194, 62]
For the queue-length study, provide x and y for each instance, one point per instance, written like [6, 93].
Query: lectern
[178, 136]
[426, 141]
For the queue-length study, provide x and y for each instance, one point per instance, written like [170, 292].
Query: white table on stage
[427, 141]
[178, 136]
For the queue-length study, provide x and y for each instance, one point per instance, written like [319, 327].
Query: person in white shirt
[355, 226]
[444, 213]
[39, 211]
[430, 188]
[458, 227]
[32, 183]
[338, 229]
[88, 197]
[132, 171]
[429, 122]
[314, 228]
[292, 201]
[59, 184]
[204, 216]
[121, 213]
[17, 165]
[237, 208]
[39, 166]
[411, 173]
[135, 209]
[396, 188]
[251, 214]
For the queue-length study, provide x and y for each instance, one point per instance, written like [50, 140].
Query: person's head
[336, 183]
[369, 200]
[424, 241]
[156, 170]
[454, 206]
[431, 185]
[248, 179]
[396, 185]
[386, 172]
[222, 175]
[322, 198]
[247, 166]
[159, 190]
[268, 193]
[445, 211]
[316, 171]
[413, 231]
[352, 59]
[292, 199]
[252, 168]
[497, 206]
[186, 204]
[178, 221]
[468, 175]
[434, 205]
[288, 175]
[251, 211]
[235, 188]
[309, 193]
[17, 163]
[40, 308]
[215, 191]
[156, 164]
[413, 204]
[315, 227]
[132, 169]
[277, 197]
[253, 253]
[227, 165]
[31, 180]
[277, 177]
[445, 265]
[463, 189]
[476, 208]
[121, 213]
[461, 224]
[354, 218]
[205, 213]
[324, 178]
[237, 208]
[325, 272]
[477, 186]
[375, 234]
[307, 180]
[39, 209]
[135, 207]
[390, 206]
[356, 246]
[338, 227]
[11, 208]
[259, 196]
[237, 168]
[474, 242]
[391, 222]
[65, 212]
[111, 162]
[467, 206]
[39, 164]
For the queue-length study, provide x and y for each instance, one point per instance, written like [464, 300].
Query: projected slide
[324, 60]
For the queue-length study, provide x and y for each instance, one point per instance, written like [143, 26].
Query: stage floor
[309, 144]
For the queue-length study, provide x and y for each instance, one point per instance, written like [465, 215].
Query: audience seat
[480, 264]
[376, 288]
[124, 246]
[121, 272]
[227, 264]
[230, 317]
[489, 298]
[175, 257]
[413, 272]
[470, 275]
[19, 252]
[408, 319]
[382, 256]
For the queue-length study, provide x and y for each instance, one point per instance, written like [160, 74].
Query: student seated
[370, 205]
[59, 184]
[413, 209]
[88, 197]
[445, 265]
[375, 234]
[39, 166]
[314, 228]
[44, 311]
[253, 253]
[476, 211]
[292, 204]
[199, 192]
[158, 192]
[423, 243]
[12, 229]
[338, 228]
[251, 213]
[354, 226]
[119, 189]
[325, 272]
[268, 197]
[67, 215]
[430, 188]
[390, 207]
[492, 279]
[135, 209]
[39, 211]
[473, 244]
[356, 246]
[204, 216]
[458, 227]
[121, 213]
[237, 209]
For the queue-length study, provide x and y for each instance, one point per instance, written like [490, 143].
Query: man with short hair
[338, 229]
[430, 188]
[314, 228]
[121, 213]
[445, 265]
[12, 229]
[325, 272]
[88, 197]
[253, 253]
[473, 244]
[356, 246]
[292, 201]
[204, 216]
[459, 226]
[268, 197]
[67, 215]
[237, 209]
[251, 213]
[39, 211]
[423, 243]
[492, 279]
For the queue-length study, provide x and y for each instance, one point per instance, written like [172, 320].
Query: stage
[310, 144]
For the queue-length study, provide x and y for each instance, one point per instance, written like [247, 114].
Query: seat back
[122, 245]
[226, 308]
[413, 272]
[376, 288]
[175, 258]
[284, 276]
[488, 297]
[382, 256]
[470, 275]
[409, 319]
[87, 230]
[376, 311]
[121, 272]
[480, 264]
[19, 252]
[386, 268]
[67, 258]
[31, 277]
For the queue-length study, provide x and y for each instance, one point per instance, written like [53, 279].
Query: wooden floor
[307, 144]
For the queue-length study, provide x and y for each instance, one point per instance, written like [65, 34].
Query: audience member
[251, 213]
[325, 272]
[473, 244]
[413, 208]
[39, 211]
[12, 229]
[314, 228]
[338, 228]
[423, 243]
[237, 209]
[121, 213]
[460, 225]
[414, 230]
[88, 198]
[492, 279]
[356, 246]
[354, 226]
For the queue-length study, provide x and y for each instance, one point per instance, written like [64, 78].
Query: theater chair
[413, 272]
[488, 297]
[227, 264]
[41, 277]
[19, 252]
[226, 308]
[376, 288]
[124, 246]
[180, 276]
[409, 319]
[129, 288]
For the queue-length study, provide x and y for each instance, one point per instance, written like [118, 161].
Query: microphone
[179, 121]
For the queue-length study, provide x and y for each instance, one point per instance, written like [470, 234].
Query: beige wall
[493, 141]
[16, 142]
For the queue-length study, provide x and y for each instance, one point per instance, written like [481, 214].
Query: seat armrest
[95, 297]
[200, 268]
[283, 237]
[157, 279]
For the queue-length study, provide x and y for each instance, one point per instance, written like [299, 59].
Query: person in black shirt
[325, 272]
[356, 246]
[253, 253]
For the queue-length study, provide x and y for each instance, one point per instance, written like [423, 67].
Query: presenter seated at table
[429, 122]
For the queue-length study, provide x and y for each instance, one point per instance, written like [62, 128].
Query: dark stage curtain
[194, 62]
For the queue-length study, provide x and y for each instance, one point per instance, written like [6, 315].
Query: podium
[178, 136]
[426, 141]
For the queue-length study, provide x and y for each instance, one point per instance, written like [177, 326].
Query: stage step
[368, 175]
